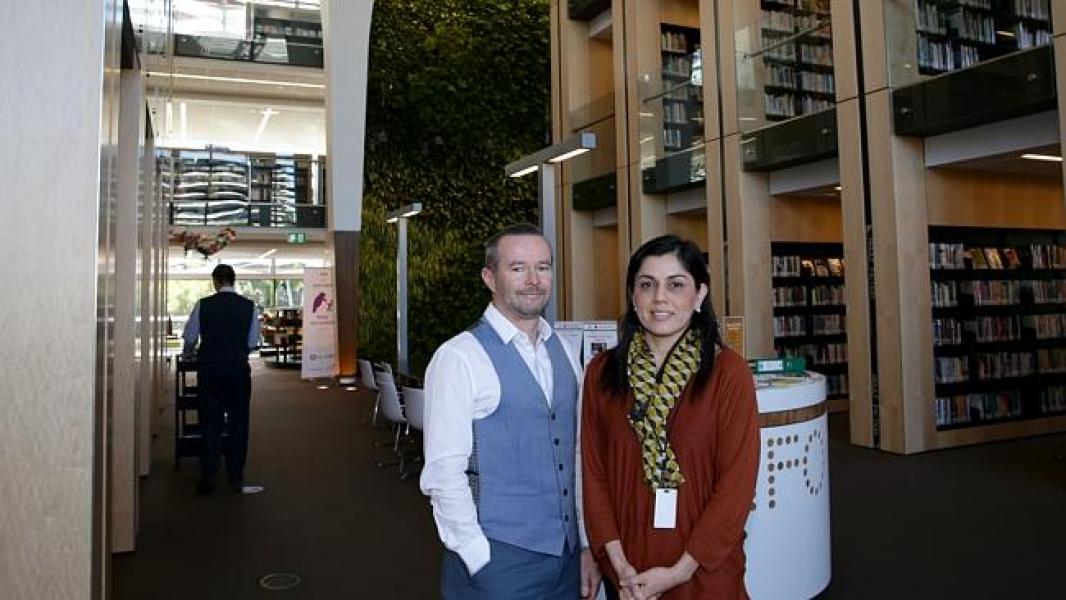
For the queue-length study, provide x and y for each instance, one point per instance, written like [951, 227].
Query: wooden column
[712, 134]
[747, 200]
[904, 412]
[850, 142]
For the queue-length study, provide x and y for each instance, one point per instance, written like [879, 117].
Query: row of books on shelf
[981, 330]
[947, 55]
[1053, 399]
[673, 41]
[784, 106]
[799, 266]
[972, 408]
[947, 294]
[988, 366]
[1031, 37]
[785, 23]
[820, 295]
[786, 77]
[677, 66]
[817, 354]
[678, 112]
[796, 325]
[1033, 9]
[959, 256]
[836, 384]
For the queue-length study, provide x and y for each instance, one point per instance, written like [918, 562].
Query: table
[787, 545]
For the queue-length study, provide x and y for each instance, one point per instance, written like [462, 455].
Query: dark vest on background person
[225, 321]
[522, 465]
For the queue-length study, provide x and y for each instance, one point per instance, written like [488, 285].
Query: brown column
[346, 278]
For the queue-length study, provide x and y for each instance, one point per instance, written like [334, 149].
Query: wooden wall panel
[607, 273]
[798, 218]
[980, 198]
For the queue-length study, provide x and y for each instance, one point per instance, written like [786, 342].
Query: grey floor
[981, 522]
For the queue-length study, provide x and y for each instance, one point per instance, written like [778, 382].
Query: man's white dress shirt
[461, 385]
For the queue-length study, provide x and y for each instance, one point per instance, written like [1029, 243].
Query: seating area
[397, 410]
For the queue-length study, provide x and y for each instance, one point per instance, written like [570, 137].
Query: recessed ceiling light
[323, 387]
[1044, 157]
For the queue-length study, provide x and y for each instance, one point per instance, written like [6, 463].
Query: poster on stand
[572, 334]
[599, 336]
[319, 358]
[733, 333]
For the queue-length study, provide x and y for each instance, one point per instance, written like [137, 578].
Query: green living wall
[457, 89]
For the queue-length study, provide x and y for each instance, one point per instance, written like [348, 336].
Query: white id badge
[665, 508]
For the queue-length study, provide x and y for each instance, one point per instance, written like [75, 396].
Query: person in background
[669, 438]
[500, 440]
[227, 327]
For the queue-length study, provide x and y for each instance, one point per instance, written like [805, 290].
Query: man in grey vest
[227, 326]
[500, 440]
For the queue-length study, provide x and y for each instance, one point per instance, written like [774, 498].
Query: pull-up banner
[319, 358]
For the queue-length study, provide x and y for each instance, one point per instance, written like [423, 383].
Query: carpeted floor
[981, 522]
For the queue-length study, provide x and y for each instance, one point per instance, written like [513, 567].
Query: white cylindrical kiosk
[787, 543]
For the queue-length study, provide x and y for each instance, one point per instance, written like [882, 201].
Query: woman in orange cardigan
[669, 438]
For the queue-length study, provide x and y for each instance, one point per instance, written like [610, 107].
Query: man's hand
[590, 575]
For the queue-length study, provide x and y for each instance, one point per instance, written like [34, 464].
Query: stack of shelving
[956, 34]
[682, 102]
[798, 58]
[809, 309]
[999, 324]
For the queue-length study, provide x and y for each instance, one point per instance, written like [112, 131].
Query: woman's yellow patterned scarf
[654, 401]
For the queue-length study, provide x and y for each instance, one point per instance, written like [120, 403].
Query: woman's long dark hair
[614, 376]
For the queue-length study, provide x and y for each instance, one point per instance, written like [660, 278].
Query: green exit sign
[298, 237]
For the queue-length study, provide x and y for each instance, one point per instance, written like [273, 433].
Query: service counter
[787, 542]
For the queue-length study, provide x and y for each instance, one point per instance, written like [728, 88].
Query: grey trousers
[513, 573]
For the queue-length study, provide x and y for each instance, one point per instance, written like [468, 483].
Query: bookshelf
[210, 187]
[999, 324]
[682, 98]
[797, 56]
[956, 34]
[809, 310]
[220, 187]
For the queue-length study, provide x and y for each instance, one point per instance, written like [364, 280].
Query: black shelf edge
[791, 281]
[995, 274]
[1003, 310]
[825, 309]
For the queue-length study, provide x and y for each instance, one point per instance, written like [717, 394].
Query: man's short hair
[224, 274]
[492, 247]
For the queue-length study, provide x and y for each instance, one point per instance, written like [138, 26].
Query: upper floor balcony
[279, 32]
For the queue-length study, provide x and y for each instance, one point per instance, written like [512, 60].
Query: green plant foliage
[457, 89]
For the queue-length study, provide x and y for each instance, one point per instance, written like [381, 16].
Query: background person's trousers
[224, 390]
[513, 573]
